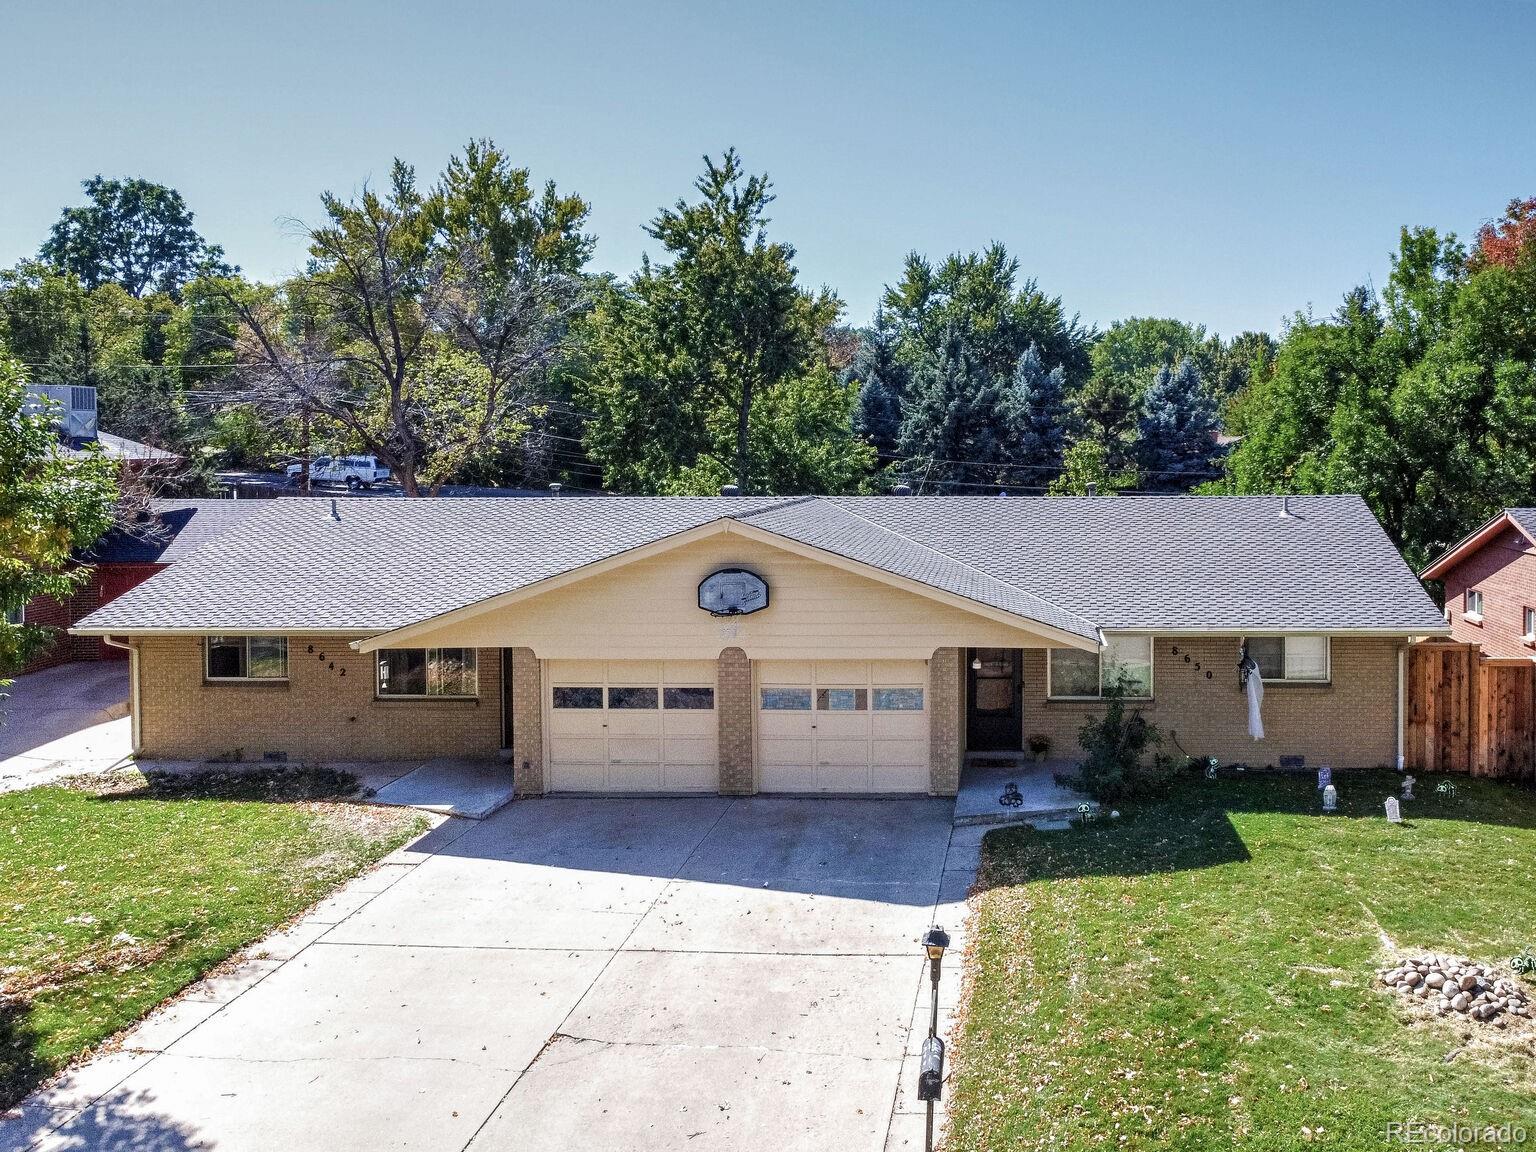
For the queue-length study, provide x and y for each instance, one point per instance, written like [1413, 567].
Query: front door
[994, 714]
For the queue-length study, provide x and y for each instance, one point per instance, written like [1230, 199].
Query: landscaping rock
[1454, 984]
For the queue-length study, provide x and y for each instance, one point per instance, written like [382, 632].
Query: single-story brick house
[772, 644]
[1490, 585]
[122, 559]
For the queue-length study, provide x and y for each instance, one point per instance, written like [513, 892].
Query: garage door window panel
[574, 697]
[687, 699]
[786, 699]
[842, 699]
[898, 699]
[632, 699]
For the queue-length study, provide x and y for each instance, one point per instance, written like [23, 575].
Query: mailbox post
[930, 1072]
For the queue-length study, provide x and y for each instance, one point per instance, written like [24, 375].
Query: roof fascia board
[1472, 543]
[1444, 630]
[222, 631]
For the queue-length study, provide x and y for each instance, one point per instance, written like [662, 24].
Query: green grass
[112, 901]
[1199, 974]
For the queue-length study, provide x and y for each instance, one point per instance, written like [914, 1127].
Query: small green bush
[1116, 744]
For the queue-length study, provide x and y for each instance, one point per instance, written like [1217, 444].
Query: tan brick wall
[733, 713]
[528, 723]
[946, 721]
[1349, 723]
[325, 711]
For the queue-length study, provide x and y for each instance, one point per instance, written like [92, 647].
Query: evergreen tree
[954, 436]
[1177, 445]
[1037, 411]
[881, 381]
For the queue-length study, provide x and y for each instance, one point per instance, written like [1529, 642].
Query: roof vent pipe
[902, 490]
[1285, 508]
[335, 511]
[554, 488]
[730, 490]
[1093, 489]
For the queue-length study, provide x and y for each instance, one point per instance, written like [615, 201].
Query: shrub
[1116, 744]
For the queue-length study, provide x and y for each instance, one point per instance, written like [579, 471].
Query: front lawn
[1200, 974]
[113, 900]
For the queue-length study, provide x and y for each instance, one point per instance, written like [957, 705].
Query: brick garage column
[944, 718]
[733, 712]
[527, 723]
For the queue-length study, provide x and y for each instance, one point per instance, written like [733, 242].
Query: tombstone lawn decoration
[1324, 777]
[1394, 811]
[1408, 783]
[1330, 798]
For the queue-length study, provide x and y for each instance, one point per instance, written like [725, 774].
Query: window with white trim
[430, 672]
[1303, 659]
[1474, 604]
[1072, 674]
[17, 615]
[1528, 624]
[245, 657]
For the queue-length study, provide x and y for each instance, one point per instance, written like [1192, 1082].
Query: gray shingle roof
[1077, 564]
[178, 529]
[1526, 518]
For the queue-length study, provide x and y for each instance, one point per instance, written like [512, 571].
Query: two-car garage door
[821, 726]
[842, 726]
[632, 726]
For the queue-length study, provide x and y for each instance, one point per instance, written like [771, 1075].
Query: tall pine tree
[881, 381]
[1177, 446]
[953, 437]
[1037, 412]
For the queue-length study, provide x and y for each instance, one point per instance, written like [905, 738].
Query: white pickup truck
[353, 471]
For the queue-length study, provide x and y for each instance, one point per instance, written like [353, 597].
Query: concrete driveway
[67, 720]
[579, 973]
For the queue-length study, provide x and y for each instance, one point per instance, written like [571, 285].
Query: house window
[1474, 604]
[17, 615]
[1300, 658]
[1077, 675]
[1528, 624]
[428, 672]
[246, 658]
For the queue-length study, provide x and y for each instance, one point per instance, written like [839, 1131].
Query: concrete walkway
[1043, 802]
[568, 974]
[64, 721]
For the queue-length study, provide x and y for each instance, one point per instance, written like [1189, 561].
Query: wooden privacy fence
[1470, 713]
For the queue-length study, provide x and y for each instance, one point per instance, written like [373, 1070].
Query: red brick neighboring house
[1490, 585]
[124, 558]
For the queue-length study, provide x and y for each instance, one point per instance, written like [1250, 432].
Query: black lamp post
[930, 1074]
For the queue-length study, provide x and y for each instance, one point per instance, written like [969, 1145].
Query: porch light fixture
[975, 663]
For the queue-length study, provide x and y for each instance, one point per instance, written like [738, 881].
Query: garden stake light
[930, 1074]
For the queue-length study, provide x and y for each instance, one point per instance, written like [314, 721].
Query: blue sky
[1226, 163]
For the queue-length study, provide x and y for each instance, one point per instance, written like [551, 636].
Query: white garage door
[632, 726]
[842, 726]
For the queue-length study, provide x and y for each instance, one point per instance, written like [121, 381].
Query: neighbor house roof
[1522, 519]
[1077, 565]
[175, 530]
[122, 448]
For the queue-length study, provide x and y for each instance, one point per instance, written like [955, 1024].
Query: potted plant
[1039, 744]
